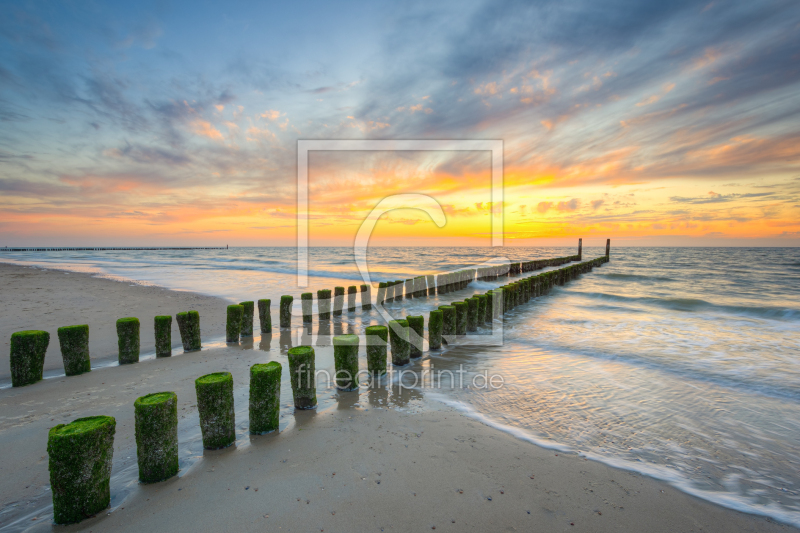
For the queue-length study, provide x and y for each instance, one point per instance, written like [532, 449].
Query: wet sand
[34, 298]
[383, 459]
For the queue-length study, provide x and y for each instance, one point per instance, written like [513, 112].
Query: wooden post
[285, 312]
[409, 288]
[398, 290]
[307, 304]
[80, 456]
[398, 337]
[128, 340]
[338, 301]
[74, 342]
[448, 323]
[608, 248]
[352, 290]
[302, 374]
[156, 426]
[162, 326]
[189, 326]
[28, 349]
[265, 397]
[416, 326]
[435, 320]
[580, 249]
[264, 316]
[324, 304]
[381, 293]
[366, 297]
[233, 326]
[215, 405]
[376, 350]
[345, 358]
[247, 318]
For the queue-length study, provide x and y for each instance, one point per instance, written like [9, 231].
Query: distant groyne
[104, 248]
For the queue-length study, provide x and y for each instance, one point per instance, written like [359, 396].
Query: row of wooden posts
[240, 316]
[80, 453]
[28, 348]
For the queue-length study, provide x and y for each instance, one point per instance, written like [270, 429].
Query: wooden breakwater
[104, 248]
[86, 444]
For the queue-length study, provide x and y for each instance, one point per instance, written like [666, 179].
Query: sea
[679, 363]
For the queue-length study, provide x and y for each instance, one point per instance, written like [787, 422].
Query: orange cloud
[205, 129]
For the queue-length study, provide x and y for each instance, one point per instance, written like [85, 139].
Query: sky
[176, 123]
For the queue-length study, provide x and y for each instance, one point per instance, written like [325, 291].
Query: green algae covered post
[416, 326]
[233, 325]
[80, 456]
[435, 322]
[265, 315]
[156, 422]
[324, 304]
[265, 397]
[448, 322]
[366, 297]
[497, 303]
[247, 318]
[377, 336]
[482, 298]
[285, 312]
[302, 372]
[381, 293]
[409, 288]
[461, 317]
[28, 349]
[431, 280]
[420, 289]
[307, 304]
[74, 341]
[128, 340]
[189, 326]
[215, 405]
[472, 314]
[345, 357]
[352, 290]
[388, 297]
[398, 290]
[338, 301]
[398, 335]
[163, 328]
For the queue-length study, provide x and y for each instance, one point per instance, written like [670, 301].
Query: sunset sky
[153, 123]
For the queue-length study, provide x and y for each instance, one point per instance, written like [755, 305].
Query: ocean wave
[635, 277]
[773, 386]
[697, 305]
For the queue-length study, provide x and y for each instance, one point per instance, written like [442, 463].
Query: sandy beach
[49, 299]
[378, 459]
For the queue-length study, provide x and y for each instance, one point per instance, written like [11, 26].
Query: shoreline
[364, 460]
[451, 452]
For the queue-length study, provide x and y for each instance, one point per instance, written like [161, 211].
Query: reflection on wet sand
[285, 340]
[324, 333]
[246, 343]
[306, 335]
[266, 342]
[347, 399]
